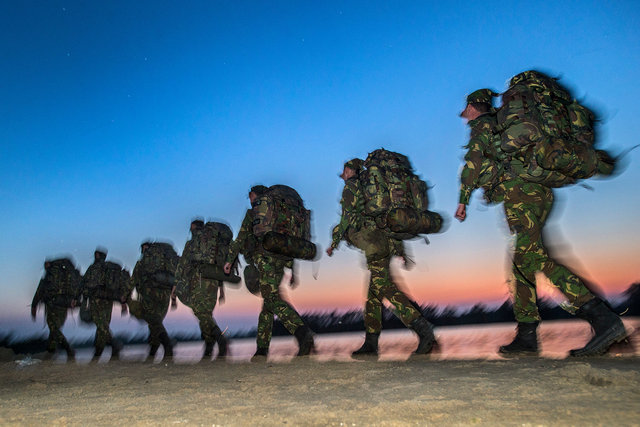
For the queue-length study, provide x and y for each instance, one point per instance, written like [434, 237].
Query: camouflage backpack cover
[158, 265]
[549, 135]
[63, 282]
[107, 280]
[396, 197]
[282, 224]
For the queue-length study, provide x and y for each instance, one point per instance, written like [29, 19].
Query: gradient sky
[121, 121]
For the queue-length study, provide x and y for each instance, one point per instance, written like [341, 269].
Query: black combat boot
[424, 329]
[260, 355]
[116, 347]
[370, 346]
[167, 345]
[305, 340]
[222, 342]
[152, 352]
[96, 354]
[525, 343]
[208, 349]
[607, 327]
[71, 354]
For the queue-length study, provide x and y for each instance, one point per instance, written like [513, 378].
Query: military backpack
[396, 197]
[63, 282]
[548, 133]
[282, 224]
[158, 263]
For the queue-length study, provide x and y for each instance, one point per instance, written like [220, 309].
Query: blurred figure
[59, 290]
[103, 283]
[361, 231]
[527, 205]
[193, 286]
[153, 278]
[270, 264]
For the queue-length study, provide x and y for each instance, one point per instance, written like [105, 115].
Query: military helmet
[355, 164]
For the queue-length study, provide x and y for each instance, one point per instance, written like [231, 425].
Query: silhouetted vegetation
[352, 321]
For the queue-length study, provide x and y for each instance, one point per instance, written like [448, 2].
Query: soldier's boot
[96, 354]
[167, 345]
[48, 355]
[607, 327]
[116, 347]
[208, 349]
[152, 352]
[370, 346]
[424, 329]
[71, 354]
[305, 340]
[222, 344]
[525, 343]
[260, 355]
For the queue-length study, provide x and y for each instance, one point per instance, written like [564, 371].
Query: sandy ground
[420, 391]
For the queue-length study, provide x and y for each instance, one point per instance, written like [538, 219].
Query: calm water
[455, 342]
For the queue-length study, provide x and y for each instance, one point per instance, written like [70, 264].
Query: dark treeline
[352, 321]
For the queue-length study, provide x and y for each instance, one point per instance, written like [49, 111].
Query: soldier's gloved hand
[34, 310]
[461, 212]
[330, 251]
[227, 268]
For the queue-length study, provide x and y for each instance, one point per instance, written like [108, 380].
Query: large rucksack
[116, 280]
[283, 224]
[63, 282]
[396, 197]
[550, 133]
[158, 264]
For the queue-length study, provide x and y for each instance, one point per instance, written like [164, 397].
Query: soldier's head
[256, 191]
[478, 103]
[47, 264]
[100, 254]
[196, 225]
[144, 246]
[351, 168]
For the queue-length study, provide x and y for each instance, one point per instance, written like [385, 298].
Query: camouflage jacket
[186, 265]
[245, 243]
[484, 159]
[93, 274]
[352, 203]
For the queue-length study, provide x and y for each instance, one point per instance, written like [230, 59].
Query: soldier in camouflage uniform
[271, 269]
[200, 295]
[100, 306]
[361, 231]
[527, 206]
[55, 309]
[152, 306]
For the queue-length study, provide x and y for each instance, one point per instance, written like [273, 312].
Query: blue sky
[121, 121]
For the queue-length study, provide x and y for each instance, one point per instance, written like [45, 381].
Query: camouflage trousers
[154, 304]
[527, 206]
[101, 315]
[56, 315]
[202, 300]
[381, 286]
[271, 272]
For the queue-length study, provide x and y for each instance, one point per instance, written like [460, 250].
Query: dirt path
[419, 391]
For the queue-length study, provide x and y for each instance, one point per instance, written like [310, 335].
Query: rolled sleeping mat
[409, 221]
[289, 246]
[215, 272]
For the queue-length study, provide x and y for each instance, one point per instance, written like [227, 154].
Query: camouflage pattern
[245, 242]
[100, 310]
[406, 220]
[282, 210]
[198, 293]
[157, 265]
[527, 206]
[288, 246]
[55, 316]
[352, 218]
[484, 159]
[382, 286]
[481, 96]
[271, 273]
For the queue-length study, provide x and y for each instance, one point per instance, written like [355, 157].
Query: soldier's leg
[383, 287]
[155, 304]
[372, 324]
[265, 328]
[101, 315]
[56, 316]
[271, 273]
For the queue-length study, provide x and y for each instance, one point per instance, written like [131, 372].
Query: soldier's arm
[348, 204]
[37, 298]
[246, 229]
[476, 149]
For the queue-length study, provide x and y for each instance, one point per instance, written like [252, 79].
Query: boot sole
[603, 347]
